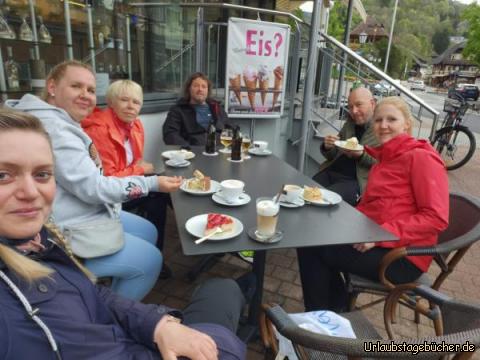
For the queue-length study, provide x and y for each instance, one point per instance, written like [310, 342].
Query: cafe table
[308, 225]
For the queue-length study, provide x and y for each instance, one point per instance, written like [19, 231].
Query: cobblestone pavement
[282, 282]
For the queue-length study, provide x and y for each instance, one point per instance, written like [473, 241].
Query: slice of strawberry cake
[218, 220]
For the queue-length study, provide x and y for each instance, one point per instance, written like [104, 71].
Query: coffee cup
[232, 189]
[178, 157]
[260, 145]
[267, 217]
[291, 193]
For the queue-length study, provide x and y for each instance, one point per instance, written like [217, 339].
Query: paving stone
[291, 290]
[271, 284]
[284, 274]
[278, 259]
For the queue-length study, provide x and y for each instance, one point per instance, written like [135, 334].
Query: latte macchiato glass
[267, 217]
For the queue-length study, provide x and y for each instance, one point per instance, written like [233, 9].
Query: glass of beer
[226, 139]
[246, 143]
[267, 216]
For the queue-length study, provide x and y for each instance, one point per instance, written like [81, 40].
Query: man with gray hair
[345, 171]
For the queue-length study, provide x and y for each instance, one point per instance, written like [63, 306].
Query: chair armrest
[359, 347]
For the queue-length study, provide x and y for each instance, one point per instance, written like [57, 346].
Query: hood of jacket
[396, 147]
[31, 103]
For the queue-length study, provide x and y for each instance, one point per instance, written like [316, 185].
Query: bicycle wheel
[455, 145]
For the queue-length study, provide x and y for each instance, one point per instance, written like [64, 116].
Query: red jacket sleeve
[108, 154]
[429, 183]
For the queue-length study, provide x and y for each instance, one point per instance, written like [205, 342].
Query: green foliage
[472, 50]
[440, 40]
[338, 19]
[422, 27]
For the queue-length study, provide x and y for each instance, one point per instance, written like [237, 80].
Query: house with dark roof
[451, 67]
[374, 31]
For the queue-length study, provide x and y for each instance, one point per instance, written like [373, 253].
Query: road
[471, 119]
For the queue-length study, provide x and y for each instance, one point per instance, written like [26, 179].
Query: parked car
[468, 91]
[384, 88]
[417, 85]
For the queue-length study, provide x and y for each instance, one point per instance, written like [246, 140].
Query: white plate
[188, 154]
[177, 165]
[295, 204]
[214, 187]
[242, 200]
[225, 150]
[341, 144]
[329, 198]
[196, 226]
[258, 152]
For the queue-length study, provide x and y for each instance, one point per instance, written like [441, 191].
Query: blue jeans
[134, 268]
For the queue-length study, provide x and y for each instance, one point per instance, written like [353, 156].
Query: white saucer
[258, 152]
[341, 144]
[214, 187]
[207, 154]
[177, 165]
[242, 199]
[297, 203]
[235, 161]
[196, 226]
[188, 154]
[225, 151]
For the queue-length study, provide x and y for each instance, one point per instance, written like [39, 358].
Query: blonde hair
[30, 270]
[127, 87]
[402, 106]
[24, 267]
[58, 71]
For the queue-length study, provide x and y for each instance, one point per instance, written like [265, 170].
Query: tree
[338, 19]
[440, 40]
[472, 49]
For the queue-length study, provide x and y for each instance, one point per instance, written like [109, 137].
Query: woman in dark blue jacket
[50, 308]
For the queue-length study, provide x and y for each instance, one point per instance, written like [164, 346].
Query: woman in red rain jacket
[406, 193]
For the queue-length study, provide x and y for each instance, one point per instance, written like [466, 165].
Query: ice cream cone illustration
[278, 72]
[235, 84]
[263, 81]
[250, 79]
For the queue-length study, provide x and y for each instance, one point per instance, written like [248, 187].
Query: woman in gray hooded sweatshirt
[87, 204]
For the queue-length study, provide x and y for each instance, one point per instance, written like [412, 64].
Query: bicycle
[454, 142]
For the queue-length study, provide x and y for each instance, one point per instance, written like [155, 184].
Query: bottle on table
[236, 144]
[211, 143]
[12, 70]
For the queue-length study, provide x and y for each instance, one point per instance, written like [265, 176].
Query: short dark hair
[188, 84]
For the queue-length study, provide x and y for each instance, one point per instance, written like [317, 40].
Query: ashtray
[271, 240]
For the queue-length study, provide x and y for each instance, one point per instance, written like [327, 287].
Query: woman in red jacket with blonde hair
[118, 135]
[406, 193]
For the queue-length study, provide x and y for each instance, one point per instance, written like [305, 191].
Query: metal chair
[459, 321]
[462, 232]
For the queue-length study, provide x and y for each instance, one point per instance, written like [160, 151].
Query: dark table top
[263, 176]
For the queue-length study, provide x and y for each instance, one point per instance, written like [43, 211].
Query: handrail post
[129, 46]
[309, 82]
[199, 41]
[91, 43]
[346, 40]
[294, 75]
[68, 30]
